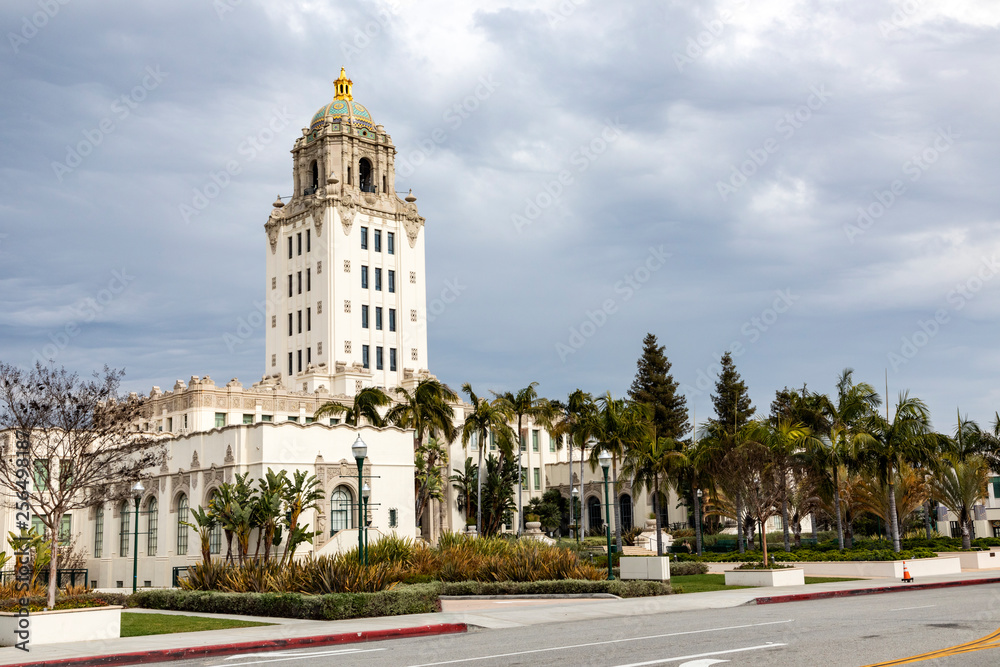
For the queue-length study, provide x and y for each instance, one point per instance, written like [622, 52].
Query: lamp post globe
[137, 490]
[360, 451]
[605, 460]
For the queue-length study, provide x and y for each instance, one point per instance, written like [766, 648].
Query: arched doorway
[625, 507]
[594, 519]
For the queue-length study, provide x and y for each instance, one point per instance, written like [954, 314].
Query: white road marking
[293, 656]
[703, 663]
[603, 643]
[926, 606]
[700, 655]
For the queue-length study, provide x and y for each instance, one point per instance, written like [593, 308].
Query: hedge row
[417, 599]
[623, 589]
[38, 602]
[811, 555]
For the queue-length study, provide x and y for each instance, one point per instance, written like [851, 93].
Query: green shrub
[38, 602]
[687, 568]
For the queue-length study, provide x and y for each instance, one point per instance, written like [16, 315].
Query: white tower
[345, 261]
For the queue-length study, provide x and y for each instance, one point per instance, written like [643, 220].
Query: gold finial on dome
[343, 85]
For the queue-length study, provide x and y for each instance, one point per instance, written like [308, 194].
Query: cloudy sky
[812, 185]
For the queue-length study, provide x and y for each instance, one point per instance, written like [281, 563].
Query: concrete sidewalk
[296, 633]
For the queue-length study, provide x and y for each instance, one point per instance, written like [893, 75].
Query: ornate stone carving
[412, 222]
[194, 461]
[230, 459]
[347, 209]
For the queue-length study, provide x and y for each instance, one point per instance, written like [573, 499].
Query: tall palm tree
[426, 410]
[887, 444]
[525, 403]
[484, 418]
[650, 462]
[365, 407]
[300, 494]
[574, 423]
[959, 486]
[617, 425]
[835, 446]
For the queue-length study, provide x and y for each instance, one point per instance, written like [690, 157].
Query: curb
[163, 655]
[797, 597]
[534, 596]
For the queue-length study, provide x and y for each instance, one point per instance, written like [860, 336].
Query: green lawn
[699, 583]
[135, 625]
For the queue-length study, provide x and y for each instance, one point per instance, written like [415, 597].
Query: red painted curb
[164, 655]
[797, 597]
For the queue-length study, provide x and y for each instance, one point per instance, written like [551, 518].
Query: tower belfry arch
[345, 261]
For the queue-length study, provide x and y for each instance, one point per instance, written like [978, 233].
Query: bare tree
[69, 444]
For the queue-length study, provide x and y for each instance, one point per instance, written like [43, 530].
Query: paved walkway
[295, 632]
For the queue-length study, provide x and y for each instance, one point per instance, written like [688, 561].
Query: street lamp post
[574, 499]
[360, 451]
[697, 520]
[137, 492]
[605, 459]
[366, 493]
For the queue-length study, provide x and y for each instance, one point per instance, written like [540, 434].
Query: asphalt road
[851, 632]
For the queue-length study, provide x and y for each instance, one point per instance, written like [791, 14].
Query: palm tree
[650, 462]
[464, 482]
[484, 418]
[426, 410]
[271, 489]
[960, 486]
[364, 407]
[617, 425]
[886, 445]
[835, 445]
[525, 403]
[910, 490]
[574, 422]
[204, 522]
[300, 494]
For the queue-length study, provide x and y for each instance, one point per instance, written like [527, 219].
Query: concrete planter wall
[975, 560]
[63, 625]
[890, 569]
[792, 576]
[652, 568]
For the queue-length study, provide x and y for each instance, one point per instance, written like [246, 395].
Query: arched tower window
[182, 528]
[313, 179]
[596, 521]
[365, 176]
[151, 527]
[625, 504]
[125, 529]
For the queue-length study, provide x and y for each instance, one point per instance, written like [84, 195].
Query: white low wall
[652, 568]
[789, 576]
[975, 560]
[62, 625]
[890, 569]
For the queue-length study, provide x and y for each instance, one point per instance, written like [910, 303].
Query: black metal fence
[63, 577]
[178, 573]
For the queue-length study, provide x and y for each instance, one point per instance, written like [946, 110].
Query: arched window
[215, 533]
[151, 525]
[625, 506]
[340, 510]
[125, 531]
[314, 171]
[99, 532]
[365, 175]
[182, 529]
[595, 520]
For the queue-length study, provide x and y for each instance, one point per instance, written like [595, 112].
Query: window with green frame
[182, 528]
[99, 533]
[524, 478]
[996, 487]
[534, 440]
[65, 529]
[125, 528]
[247, 419]
[553, 441]
[537, 479]
[220, 419]
[152, 522]
[41, 474]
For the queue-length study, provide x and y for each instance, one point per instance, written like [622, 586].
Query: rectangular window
[364, 238]
[293, 419]
[299, 274]
[378, 318]
[393, 520]
[364, 317]
[267, 418]
[170, 424]
[125, 529]
[289, 247]
[378, 280]
[185, 421]
[364, 357]
[220, 419]
[364, 277]
[309, 282]
[553, 442]
[537, 474]
[524, 478]
[42, 474]
[378, 241]
[378, 358]
[299, 240]
[291, 291]
[392, 281]
[299, 355]
[392, 319]
[392, 358]
[334, 421]
[996, 487]
[310, 420]
[309, 319]
[291, 324]
[151, 525]
[247, 419]
[182, 528]
[308, 241]
[99, 533]
[300, 320]
[534, 440]
[523, 441]
[493, 441]
[309, 355]
[291, 368]
[390, 243]
[65, 529]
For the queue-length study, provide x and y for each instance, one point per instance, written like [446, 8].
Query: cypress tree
[655, 386]
[732, 403]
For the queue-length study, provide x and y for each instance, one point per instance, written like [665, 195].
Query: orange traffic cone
[906, 574]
